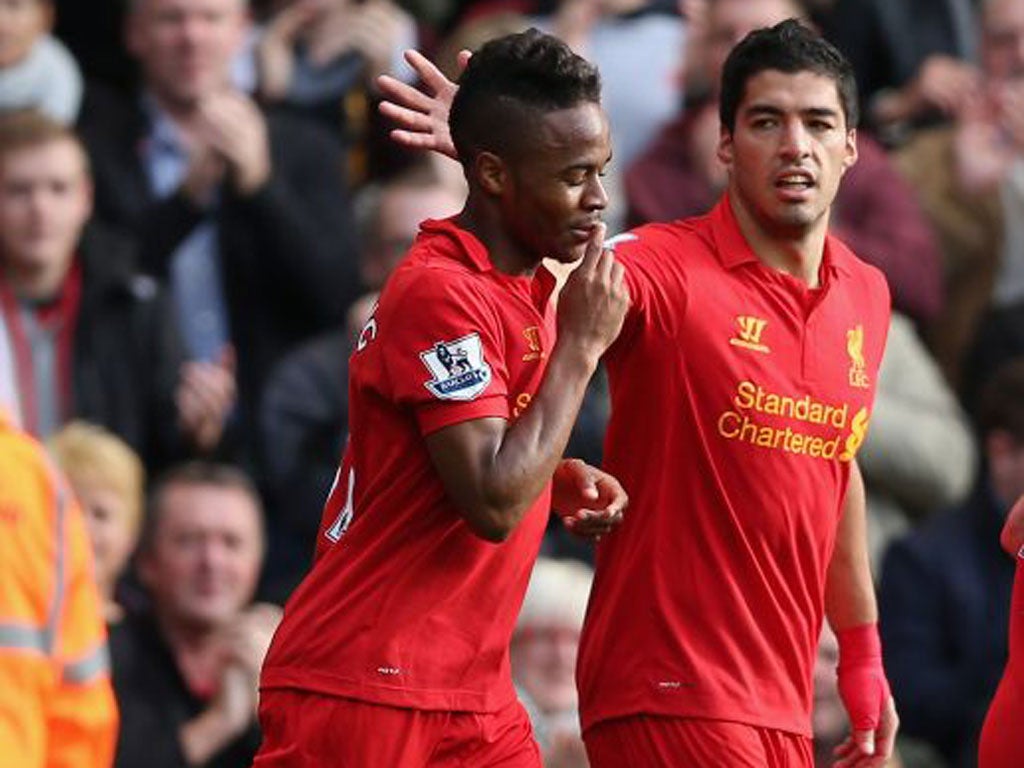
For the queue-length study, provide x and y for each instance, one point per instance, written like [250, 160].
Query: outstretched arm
[422, 118]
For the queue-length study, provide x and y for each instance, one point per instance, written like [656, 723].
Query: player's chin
[569, 252]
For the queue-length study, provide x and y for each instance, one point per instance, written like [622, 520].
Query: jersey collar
[733, 250]
[468, 249]
[471, 252]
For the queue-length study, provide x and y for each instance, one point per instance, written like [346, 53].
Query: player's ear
[491, 173]
[724, 149]
[850, 158]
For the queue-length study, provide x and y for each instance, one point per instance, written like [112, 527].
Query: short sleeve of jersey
[440, 342]
[654, 276]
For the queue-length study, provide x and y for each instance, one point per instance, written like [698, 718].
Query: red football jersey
[405, 606]
[1001, 745]
[739, 398]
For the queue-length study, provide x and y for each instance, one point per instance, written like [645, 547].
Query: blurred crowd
[199, 201]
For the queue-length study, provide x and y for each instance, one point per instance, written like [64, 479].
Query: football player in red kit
[1002, 738]
[742, 386]
[464, 386]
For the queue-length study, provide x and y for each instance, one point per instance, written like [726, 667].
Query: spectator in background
[828, 719]
[1000, 339]
[543, 657]
[313, 52]
[109, 481]
[920, 454]
[185, 673]
[304, 415]
[945, 591]
[389, 216]
[970, 178]
[319, 59]
[243, 214]
[914, 59]
[875, 212]
[94, 32]
[82, 335]
[36, 70]
[56, 706]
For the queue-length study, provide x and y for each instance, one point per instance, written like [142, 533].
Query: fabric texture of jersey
[739, 398]
[1001, 745]
[57, 707]
[405, 606]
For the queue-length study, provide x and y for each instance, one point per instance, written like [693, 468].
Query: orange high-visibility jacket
[57, 706]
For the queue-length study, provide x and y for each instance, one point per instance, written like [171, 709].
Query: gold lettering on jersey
[750, 396]
[839, 436]
[749, 332]
[855, 349]
[858, 431]
[522, 401]
[532, 336]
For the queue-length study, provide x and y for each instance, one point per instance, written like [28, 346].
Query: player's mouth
[583, 231]
[794, 185]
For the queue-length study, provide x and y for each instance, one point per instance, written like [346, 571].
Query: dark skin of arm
[494, 471]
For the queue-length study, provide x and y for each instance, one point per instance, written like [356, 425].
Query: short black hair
[510, 79]
[788, 47]
[1001, 402]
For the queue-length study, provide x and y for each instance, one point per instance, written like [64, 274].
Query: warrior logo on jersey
[458, 368]
[749, 330]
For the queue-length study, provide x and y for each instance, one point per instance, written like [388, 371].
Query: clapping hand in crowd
[227, 141]
[989, 136]
[329, 29]
[205, 396]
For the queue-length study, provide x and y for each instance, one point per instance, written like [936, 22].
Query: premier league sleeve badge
[458, 368]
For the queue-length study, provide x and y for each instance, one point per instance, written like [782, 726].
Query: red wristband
[862, 683]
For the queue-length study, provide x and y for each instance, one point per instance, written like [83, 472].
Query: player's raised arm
[494, 472]
[422, 118]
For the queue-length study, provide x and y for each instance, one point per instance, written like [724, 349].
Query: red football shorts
[669, 742]
[307, 730]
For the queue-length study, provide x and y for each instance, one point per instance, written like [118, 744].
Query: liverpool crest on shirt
[858, 366]
[458, 368]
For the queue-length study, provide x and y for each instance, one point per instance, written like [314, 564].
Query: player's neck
[797, 251]
[504, 250]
